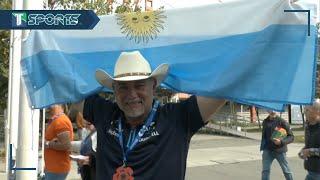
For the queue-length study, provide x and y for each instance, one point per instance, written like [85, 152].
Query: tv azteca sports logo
[19, 19]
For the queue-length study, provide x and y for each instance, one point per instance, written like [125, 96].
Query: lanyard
[136, 138]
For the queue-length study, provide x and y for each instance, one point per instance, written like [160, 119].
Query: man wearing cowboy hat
[138, 138]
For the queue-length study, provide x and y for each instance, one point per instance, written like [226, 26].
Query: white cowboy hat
[132, 66]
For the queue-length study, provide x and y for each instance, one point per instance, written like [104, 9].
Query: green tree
[100, 7]
[4, 59]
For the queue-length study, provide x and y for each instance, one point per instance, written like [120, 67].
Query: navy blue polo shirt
[160, 154]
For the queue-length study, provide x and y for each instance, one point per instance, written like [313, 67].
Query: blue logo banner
[48, 19]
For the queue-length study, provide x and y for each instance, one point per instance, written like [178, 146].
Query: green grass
[299, 139]
[233, 123]
[254, 130]
[2, 153]
[297, 128]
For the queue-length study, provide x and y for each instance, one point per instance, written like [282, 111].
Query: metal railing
[231, 119]
[230, 123]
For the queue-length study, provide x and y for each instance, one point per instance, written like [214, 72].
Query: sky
[168, 4]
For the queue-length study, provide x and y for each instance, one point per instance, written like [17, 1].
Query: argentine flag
[247, 51]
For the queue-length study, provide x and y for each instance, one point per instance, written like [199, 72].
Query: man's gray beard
[132, 116]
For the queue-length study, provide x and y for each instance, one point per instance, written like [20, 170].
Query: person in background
[80, 126]
[87, 166]
[311, 151]
[58, 137]
[276, 134]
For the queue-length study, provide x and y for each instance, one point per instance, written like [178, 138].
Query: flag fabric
[246, 51]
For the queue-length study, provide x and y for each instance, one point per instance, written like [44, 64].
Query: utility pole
[28, 126]
[289, 114]
[11, 126]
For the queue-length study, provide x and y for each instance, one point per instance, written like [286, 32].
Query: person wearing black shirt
[311, 151]
[137, 138]
[275, 148]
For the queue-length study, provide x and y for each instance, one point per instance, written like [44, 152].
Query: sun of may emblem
[141, 26]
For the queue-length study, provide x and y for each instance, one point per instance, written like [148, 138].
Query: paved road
[228, 158]
[245, 170]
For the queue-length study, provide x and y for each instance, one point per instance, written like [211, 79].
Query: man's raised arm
[209, 106]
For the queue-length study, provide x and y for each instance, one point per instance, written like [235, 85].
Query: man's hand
[84, 161]
[276, 141]
[304, 153]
